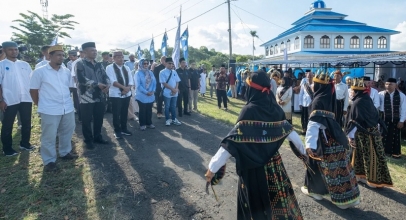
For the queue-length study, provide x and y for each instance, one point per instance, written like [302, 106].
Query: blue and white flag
[176, 48]
[152, 50]
[139, 53]
[184, 41]
[164, 44]
[54, 41]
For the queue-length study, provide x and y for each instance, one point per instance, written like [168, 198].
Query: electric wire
[259, 17]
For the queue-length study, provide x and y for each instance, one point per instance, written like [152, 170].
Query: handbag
[162, 91]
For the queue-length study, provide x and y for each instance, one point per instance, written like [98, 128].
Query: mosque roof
[322, 20]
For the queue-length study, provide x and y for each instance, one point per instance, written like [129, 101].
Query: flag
[164, 44]
[184, 41]
[54, 41]
[139, 53]
[152, 50]
[176, 48]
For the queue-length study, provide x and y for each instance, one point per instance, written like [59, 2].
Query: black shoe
[100, 141]
[69, 156]
[89, 145]
[51, 167]
[187, 113]
[29, 148]
[126, 133]
[10, 153]
[118, 135]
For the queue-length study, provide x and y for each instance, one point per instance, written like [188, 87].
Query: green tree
[253, 35]
[35, 31]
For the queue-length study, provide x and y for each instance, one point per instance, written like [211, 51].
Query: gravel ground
[159, 174]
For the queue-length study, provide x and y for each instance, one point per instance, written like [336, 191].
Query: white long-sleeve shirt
[375, 98]
[402, 106]
[312, 134]
[222, 155]
[342, 93]
[304, 98]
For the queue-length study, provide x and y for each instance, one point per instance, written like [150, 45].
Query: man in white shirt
[341, 96]
[49, 90]
[305, 99]
[374, 93]
[121, 81]
[45, 59]
[393, 107]
[212, 80]
[131, 63]
[15, 98]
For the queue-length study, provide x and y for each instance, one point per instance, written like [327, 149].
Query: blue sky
[125, 23]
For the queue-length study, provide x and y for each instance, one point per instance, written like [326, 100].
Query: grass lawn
[208, 106]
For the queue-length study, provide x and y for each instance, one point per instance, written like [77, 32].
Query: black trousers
[25, 110]
[305, 118]
[95, 112]
[75, 97]
[158, 99]
[339, 112]
[183, 97]
[120, 113]
[222, 97]
[145, 113]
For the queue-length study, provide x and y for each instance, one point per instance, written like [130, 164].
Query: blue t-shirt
[163, 77]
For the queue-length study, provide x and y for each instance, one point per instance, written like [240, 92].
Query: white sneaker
[349, 205]
[168, 122]
[176, 122]
[314, 196]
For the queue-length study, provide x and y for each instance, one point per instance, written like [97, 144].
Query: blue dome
[318, 4]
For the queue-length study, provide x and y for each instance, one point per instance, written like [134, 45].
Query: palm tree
[253, 35]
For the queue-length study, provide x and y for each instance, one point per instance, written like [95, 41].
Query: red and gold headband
[256, 86]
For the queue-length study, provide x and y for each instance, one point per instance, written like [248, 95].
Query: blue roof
[319, 14]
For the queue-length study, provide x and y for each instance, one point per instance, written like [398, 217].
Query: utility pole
[229, 30]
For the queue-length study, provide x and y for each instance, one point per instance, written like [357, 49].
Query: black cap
[222, 65]
[105, 53]
[181, 59]
[308, 71]
[367, 78]
[391, 80]
[168, 59]
[88, 44]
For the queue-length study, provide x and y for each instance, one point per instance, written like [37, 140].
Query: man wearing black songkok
[330, 173]
[393, 108]
[362, 129]
[264, 189]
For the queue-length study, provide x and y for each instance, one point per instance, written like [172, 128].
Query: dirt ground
[159, 174]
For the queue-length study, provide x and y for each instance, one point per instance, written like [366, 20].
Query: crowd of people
[342, 123]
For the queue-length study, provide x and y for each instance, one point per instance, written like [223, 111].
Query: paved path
[158, 174]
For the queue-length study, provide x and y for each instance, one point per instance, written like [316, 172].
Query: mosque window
[339, 42]
[282, 46]
[288, 45]
[309, 41]
[297, 43]
[276, 49]
[271, 51]
[382, 43]
[368, 42]
[325, 42]
[266, 51]
[354, 42]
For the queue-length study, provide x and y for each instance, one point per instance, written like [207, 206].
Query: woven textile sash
[392, 112]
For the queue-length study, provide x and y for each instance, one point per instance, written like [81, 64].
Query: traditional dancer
[362, 129]
[393, 108]
[264, 188]
[329, 152]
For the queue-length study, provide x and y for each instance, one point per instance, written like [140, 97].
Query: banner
[152, 50]
[176, 48]
[184, 41]
[139, 53]
[164, 44]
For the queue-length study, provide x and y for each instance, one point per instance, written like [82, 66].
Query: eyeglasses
[145, 63]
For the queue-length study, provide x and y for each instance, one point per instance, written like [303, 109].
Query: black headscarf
[362, 113]
[286, 84]
[324, 100]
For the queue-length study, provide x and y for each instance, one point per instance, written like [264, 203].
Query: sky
[125, 24]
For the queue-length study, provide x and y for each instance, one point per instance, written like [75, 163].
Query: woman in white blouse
[284, 97]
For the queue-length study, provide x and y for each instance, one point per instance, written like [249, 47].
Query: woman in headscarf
[330, 174]
[264, 189]
[145, 83]
[368, 157]
[284, 97]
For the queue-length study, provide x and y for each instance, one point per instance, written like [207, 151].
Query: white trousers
[51, 127]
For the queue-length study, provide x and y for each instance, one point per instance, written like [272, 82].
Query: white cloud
[398, 41]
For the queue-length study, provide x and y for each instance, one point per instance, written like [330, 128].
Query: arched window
[382, 42]
[276, 49]
[271, 51]
[325, 42]
[266, 51]
[288, 45]
[308, 42]
[354, 42]
[282, 46]
[368, 42]
[297, 43]
[339, 42]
